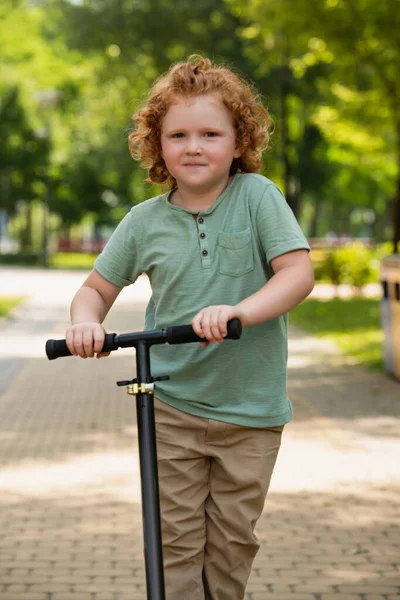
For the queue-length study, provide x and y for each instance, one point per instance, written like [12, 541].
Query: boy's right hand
[86, 340]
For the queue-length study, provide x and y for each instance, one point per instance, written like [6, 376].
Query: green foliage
[59, 260]
[26, 259]
[381, 250]
[337, 62]
[332, 268]
[353, 324]
[327, 71]
[72, 260]
[7, 303]
[356, 264]
[22, 152]
[351, 264]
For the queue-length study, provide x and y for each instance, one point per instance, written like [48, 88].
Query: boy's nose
[193, 146]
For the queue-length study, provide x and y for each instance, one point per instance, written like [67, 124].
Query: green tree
[363, 36]
[22, 153]
[338, 62]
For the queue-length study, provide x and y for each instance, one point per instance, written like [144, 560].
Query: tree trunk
[396, 219]
[288, 174]
[27, 235]
[396, 202]
[313, 232]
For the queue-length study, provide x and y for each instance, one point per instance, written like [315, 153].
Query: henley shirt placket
[204, 249]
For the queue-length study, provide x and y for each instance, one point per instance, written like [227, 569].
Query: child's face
[198, 143]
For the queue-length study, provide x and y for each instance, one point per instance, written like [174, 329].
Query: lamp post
[47, 101]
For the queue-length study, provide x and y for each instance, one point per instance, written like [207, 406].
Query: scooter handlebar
[178, 334]
[183, 334]
[58, 348]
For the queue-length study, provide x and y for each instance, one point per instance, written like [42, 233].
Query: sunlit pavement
[70, 516]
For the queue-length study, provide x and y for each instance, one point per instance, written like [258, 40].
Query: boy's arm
[89, 307]
[293, 281]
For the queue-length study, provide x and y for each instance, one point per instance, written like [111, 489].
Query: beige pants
[214, 478]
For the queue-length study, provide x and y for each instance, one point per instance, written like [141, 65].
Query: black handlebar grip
[183, 334]
[58, 348]
[234, 329]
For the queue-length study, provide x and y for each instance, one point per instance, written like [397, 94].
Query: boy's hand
[210, 322]
[86, 340]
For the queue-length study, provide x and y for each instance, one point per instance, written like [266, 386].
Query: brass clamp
[140, 388]
[134, 387]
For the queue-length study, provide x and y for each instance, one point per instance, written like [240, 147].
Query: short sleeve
[277, 227]
[119, 262]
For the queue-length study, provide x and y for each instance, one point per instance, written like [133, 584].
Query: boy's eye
[180, 134]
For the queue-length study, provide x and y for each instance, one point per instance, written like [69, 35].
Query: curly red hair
[198, 76]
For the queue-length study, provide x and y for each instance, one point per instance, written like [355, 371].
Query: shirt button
[201, 220]
[205, 252]
[202, 235]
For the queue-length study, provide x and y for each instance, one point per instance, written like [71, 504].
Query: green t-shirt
[221, 258]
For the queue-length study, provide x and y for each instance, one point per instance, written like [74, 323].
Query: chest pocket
[235, 253]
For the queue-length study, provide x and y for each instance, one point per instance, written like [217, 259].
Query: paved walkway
[70, 518]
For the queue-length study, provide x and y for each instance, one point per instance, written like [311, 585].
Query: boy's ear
[241, 147]
[238, 151]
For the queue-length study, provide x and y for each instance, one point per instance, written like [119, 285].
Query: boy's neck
[199, 202]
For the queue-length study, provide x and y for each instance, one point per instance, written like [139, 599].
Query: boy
[220, 243]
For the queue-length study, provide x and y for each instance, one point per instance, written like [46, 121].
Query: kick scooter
[143, 388]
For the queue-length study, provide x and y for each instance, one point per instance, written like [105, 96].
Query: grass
[7, 303]
[72, 260]
[353, 324]
[59, 260]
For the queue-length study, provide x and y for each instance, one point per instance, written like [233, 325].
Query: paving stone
[50, 587]
[348, 597]
[282, 596]
[70, 511]
[23, 596]
[80, 596]
[370, 588]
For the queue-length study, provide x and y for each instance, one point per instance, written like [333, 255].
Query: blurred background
[73, 71]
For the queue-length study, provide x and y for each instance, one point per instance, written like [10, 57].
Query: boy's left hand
[210, 322]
